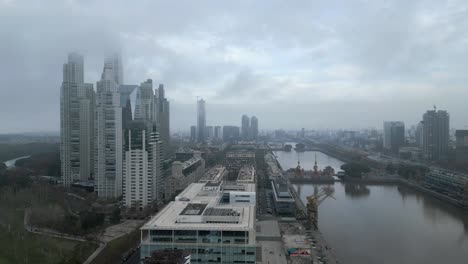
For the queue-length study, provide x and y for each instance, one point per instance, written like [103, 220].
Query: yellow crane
[314, 201]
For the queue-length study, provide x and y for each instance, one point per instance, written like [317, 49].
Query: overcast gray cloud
[313, 64]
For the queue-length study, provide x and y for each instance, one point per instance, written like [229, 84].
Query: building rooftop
[193, 209]
[197, 208]
[213, 184]
[214, 174]
[281, 191]
[190, 162]
[273, 167]
[246, 174]
[461, 133]
[240, 154]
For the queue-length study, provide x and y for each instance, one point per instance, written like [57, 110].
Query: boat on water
[287, 147]
[300, 147]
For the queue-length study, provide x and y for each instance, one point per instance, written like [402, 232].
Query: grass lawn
[19, 246]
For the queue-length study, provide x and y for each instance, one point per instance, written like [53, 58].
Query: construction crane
[314, 201]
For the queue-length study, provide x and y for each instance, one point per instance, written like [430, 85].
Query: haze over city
[233, 132]
[314, 64]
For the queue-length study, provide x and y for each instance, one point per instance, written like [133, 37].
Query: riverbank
[11, 163]
[434, 194]
[370, 208]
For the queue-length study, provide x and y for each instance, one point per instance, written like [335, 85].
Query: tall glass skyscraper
[162, 119]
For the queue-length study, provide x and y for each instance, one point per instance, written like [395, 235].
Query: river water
[11, 163]
[369, 224]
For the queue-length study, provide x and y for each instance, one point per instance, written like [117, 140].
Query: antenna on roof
[435, 108]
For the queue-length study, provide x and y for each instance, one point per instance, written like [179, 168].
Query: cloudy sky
[293, 64]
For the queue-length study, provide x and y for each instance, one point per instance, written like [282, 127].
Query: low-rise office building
[285, 205]
[185, 173]
[215, 221]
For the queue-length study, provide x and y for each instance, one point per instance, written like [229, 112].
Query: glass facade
[206, 246]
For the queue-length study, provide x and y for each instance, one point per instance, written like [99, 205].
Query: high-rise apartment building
[394, 135]
[201, 121]
[76, 122]
[142, 170]
[254, 128]
[245, 128]
[435, 134]
[143, 177]
[108, 131]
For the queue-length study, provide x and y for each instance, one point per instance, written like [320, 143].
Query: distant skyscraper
[218, 132]
[128, 95]
[209, 132]
[394, 135]
[231, 133]
[76, 122]
[245, 128]
[193, 133]
[461, 151]
[435, 134]
[142, 170]
[201, 121]
[144, 108]
[114, 62]
[163, 119]
[108, 139]
[254, 127]
[419, 134]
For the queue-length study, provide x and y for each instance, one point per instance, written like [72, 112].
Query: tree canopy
[354, 169]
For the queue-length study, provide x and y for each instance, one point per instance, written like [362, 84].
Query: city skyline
[234, 132]
[316, 69]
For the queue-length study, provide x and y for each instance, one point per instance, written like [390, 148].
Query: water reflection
[433, 208]
[369, 224]
[354, 190]
[391, 224]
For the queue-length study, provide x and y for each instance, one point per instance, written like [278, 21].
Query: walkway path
[46, 231]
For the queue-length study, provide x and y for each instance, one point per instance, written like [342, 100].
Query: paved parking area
[272, 252]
